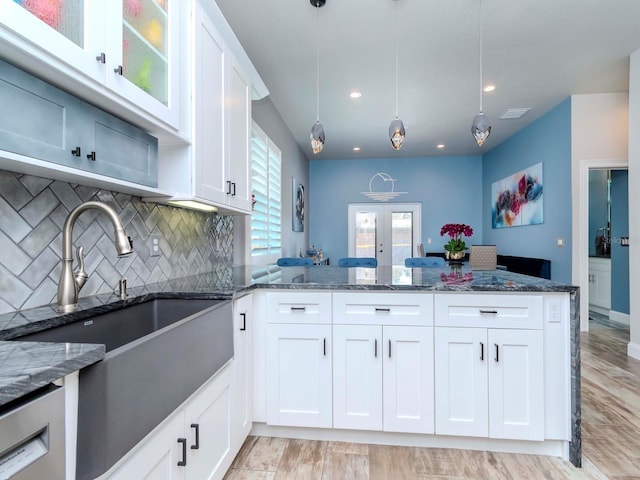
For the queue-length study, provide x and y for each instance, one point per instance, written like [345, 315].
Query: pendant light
[396, 128]
[317, 131]
[480, 127]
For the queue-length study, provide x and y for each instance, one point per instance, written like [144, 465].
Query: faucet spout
[69, 284]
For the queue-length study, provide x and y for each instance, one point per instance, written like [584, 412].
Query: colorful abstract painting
[517, 199]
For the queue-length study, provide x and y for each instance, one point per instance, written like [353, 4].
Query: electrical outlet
[154, 244]
[554, 311]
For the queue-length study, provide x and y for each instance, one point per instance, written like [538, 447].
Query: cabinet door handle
[380, 309]
[118, 70]
[375, 348]
[196, 445]
[489, 312]
[228, 187]
[298, 309]
[389, 348]
[482, 351]
[324, 346]
[92, 156]
[102, 58]
[76, 152]
[497, 353]
[183, 462]
[234, 189]
[244, 322]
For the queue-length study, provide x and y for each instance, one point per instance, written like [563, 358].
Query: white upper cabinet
[214, 169]
[222, 105]
[129, 46]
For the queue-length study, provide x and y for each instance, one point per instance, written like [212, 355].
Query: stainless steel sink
[158, 353]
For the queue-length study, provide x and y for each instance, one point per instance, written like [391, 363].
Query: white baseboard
[633, 350]
[619, 317]
[600, 310]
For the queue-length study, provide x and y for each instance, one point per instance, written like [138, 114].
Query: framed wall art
[517, 199]
[298, 206]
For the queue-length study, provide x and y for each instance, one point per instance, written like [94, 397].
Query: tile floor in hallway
[610, 422]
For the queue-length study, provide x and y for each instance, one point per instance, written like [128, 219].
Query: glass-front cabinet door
[129, 45]
[72, 31]
[145, 47]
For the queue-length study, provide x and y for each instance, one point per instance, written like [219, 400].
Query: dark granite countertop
[25, 366]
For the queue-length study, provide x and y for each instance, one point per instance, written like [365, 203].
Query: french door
[388, 232]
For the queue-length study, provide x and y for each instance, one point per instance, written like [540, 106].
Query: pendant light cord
[317, 64]
[480, 46]
[395, 28]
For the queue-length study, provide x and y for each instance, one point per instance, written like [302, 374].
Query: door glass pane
[366, 234]
[65, 16]
[401, 236]
[144, 46]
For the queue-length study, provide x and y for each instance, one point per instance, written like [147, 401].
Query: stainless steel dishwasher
[32, 436]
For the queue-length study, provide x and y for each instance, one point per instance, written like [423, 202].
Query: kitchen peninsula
[484, 317]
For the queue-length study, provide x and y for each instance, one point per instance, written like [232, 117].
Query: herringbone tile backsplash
[33, 211]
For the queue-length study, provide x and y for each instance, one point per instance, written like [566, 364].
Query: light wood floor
[610, 432]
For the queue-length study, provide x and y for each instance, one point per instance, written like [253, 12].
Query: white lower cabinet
[299, 375]
[194, 443]
[383, 378]
[243, 370]
[489, 383]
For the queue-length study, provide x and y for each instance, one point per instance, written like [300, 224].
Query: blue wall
[547, 140]
[619, 228]
[598, 205]
[448, 187]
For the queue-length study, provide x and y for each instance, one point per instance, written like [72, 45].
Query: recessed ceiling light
[356, 149]
[440, 146]
[355, 94]
[489, 88]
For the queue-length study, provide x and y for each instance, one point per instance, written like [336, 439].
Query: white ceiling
[536, 52]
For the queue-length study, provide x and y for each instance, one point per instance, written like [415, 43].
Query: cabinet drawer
[299, 307]
[491, 311]
[371, 308]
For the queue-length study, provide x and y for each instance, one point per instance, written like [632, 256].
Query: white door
[208, 430]
[299, 375]
[388, 232]
[357, 377]
[461, 389]
[408, 379]
[516, 386]
[157, 457]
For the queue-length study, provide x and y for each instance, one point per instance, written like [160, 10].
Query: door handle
[92, 156]
[482, 351]
[196, 445]
[375, 348]
[324, 346]
[389, 348]
[244, 322]
[183, 462]
[497, 353]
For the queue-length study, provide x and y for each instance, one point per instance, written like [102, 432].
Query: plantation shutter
[266, 163]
